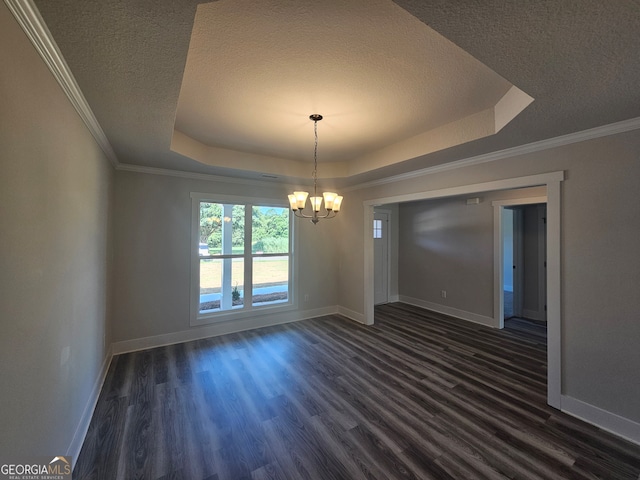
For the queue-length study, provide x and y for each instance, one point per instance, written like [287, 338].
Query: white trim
[498, 271]
[85, 420]
[597, 132]
[351, 315]
[240, 199]
[234, 315]
[552, 181]
[505, 184]
[394, 298]
[520, 201]
[126, 167]
[603, 419]
[452, 312]
[593, 133]
[368, 283]
[554, 286]
[387, 239]
[590, 134]
[196, 318]
[29, 18]
[217, 329]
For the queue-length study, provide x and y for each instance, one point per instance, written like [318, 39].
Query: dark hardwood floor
[416, 396]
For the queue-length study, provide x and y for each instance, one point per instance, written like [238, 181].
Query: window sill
[229, 316]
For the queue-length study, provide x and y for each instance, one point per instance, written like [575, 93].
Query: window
[241, 257]
[377, 229]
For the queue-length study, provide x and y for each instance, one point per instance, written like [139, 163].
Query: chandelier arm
[328, 214]
[297, 199]
[300, 214]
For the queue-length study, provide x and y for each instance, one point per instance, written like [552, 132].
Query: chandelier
[332, 200]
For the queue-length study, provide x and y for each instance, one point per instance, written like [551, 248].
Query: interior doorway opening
[524, 262]
[381, 256]
[512, 262]
[552, 181]
[521, 259]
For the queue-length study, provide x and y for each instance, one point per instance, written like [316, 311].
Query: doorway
[522, 262]
[552, 181]
[512, 263]
[381, 257]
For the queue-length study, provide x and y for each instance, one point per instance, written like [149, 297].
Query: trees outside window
[248, 263]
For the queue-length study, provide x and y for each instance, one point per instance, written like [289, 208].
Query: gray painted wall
[152, 245]
[600, 261]
[445, 244]
[531, 301]
[55, 196]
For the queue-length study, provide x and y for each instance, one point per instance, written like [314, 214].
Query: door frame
[386, 232]
[498, 254]
[552, 181]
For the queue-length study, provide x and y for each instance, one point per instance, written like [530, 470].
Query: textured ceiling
[577, 58]
[256, 69]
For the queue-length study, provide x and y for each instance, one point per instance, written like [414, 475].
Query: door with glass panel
[381, 257]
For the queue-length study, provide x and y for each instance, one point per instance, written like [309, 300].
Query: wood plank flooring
[416, 396]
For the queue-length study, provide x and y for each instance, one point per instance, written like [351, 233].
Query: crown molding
[597, 132]
[29, 18]
[209, 177]
[590, 134]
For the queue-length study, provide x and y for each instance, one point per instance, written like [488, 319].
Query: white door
[381, 257]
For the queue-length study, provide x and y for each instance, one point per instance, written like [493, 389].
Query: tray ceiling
[389, 87]
[142, 67]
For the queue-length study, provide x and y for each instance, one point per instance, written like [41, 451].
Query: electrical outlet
[443, 293]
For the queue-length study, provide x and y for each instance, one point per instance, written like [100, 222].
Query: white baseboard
[351, 315]
[453, 312]
[87, 414]
[394, 298]
[610, 422]
[178, 337]
[222, 328]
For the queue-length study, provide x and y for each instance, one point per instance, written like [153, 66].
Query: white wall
[600, 224]
[152, 255]
[55, 197]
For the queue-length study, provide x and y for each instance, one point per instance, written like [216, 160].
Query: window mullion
[248, 261]
[227, 249]
[217, 271]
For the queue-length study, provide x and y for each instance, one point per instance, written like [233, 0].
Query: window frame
[377, 229]
[196, 318]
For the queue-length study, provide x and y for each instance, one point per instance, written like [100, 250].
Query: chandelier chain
[315, 158]
[332, 200]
